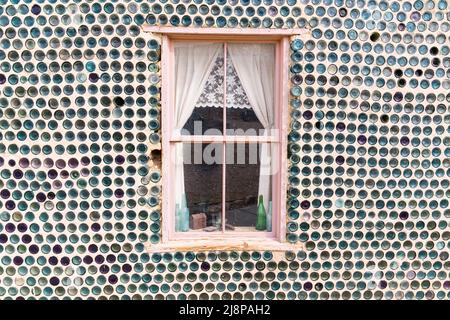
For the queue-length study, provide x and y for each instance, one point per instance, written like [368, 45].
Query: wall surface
[368, 150]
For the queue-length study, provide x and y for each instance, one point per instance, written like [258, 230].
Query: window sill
[223, 245]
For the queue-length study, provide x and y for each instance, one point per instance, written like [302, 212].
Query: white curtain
[193, 64]
[255, 66]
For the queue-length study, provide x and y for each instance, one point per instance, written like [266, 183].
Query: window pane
[206, 121]
[199, 88]
[250, 88]
[198, 185]
[247, 182]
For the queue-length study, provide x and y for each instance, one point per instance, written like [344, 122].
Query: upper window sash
[271, 135]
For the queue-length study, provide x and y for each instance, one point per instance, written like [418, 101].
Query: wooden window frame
[276, 240]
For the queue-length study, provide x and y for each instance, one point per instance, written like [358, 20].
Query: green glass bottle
[261, 216]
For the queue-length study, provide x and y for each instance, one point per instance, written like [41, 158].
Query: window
[223, 91]
[224, 109]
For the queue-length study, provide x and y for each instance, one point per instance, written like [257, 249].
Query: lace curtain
[212, 94]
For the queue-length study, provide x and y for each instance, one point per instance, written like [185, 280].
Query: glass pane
[206, 121]
[199, 96]
[198, 187]
[247, 183]
[250, 88]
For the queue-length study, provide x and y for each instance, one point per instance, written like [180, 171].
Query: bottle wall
[368, 152]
